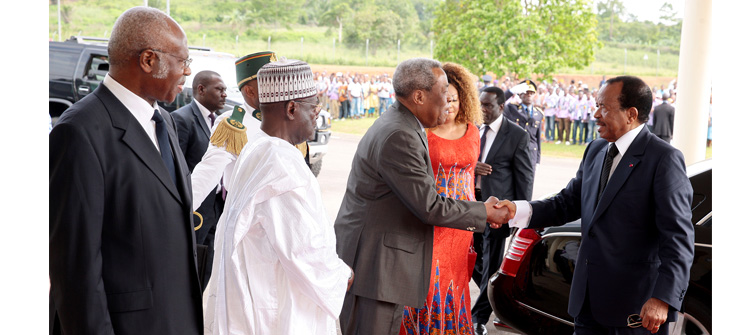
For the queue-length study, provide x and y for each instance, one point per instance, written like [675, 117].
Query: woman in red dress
[454, 150]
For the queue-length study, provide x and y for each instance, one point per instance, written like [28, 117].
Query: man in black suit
[122, 252]
[664, 119]
[633, 198]
[505, 171]
[194, 122]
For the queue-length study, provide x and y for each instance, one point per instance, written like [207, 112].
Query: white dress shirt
[205, 112]
[140, 108]
[493, 129]
[523, 209]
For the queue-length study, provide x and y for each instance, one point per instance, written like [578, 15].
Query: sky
[649, 9]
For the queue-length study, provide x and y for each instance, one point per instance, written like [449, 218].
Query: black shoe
[480, 329]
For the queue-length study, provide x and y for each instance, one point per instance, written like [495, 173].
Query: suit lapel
[180, 163]
[199, 119]
[412, 123]
[136, 138]
[502, 134]
[620, 175]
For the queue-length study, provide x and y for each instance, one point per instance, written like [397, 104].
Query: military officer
[528, 116]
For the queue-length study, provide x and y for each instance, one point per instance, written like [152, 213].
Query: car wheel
[315, 167]
[686, 324]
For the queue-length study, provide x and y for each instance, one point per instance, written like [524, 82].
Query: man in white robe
[217, 162]
[275, 269]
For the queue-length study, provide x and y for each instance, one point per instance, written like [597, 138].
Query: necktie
[163, 139]
[611, 153]
[530, 111]
[482, 141]
[212, 116]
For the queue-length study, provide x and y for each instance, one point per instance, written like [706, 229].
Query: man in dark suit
[633, 198]
[194, 122]
[529, 117]
[122, 251]
[384, 229]
[505, 171]
[664, 119]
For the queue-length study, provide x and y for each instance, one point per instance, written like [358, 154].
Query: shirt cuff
[523, 215]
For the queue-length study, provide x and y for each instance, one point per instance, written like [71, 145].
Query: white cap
[285, 80]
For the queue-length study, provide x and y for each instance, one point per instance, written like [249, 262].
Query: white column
[693, 81]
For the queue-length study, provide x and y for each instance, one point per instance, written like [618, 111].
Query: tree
[502, 36]
[667, 14]
[381, 24]
[335, 14]
[236, 19]
[613, 10]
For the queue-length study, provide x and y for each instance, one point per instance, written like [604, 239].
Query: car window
[98, 66]
[62, 64]
[701, 205]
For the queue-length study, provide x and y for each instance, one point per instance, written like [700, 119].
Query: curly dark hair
[468, 96]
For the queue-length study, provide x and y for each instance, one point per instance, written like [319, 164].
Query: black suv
[76, 67]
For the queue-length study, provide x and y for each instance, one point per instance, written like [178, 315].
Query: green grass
[349, 126]
[610, 59]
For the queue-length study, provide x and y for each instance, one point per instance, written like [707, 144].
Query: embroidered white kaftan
[275, 267]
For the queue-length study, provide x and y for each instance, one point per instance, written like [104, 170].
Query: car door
[547, 282]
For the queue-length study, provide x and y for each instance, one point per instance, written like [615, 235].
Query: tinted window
[701, 195]
[62, 64]
[98, 66]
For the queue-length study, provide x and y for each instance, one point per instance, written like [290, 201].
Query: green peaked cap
[247, 67]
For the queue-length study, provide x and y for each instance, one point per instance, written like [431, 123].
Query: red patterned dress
[448, 306]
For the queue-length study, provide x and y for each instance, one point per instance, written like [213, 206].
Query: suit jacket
[532, 125]
[122, 249]
[512, 174]
[193, 132]
[194, 135]
[384, 228]
[637, 241]
[664, 120]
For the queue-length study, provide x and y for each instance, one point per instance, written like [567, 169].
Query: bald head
[141, 28]
[148, 54]
[203, 78]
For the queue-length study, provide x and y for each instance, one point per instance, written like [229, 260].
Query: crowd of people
[420, 218]
[354, 96]
[567, 108]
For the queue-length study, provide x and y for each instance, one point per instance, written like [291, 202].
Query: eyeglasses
[318, 105]
[185, 61]
[634, 321]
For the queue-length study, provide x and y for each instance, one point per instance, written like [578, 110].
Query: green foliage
[524, 43]
[520, 38]
[382, 25]
[611, 27]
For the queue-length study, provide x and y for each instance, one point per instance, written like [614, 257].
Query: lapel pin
[631, 165]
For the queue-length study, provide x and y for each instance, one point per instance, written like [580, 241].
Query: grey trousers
[363, 316]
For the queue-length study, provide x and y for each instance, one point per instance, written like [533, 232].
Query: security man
[528, 116]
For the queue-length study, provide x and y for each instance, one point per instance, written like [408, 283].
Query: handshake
[499, 212]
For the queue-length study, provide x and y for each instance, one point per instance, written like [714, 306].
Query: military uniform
[529, 120]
